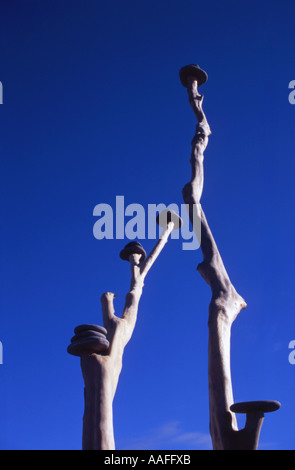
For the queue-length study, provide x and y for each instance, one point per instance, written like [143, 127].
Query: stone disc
[195, 71]
[132, 248]
[98, 328]
[87, 333]
[264, 406]
[167, 216]
[88, 345]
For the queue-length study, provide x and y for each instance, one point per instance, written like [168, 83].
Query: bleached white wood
[225, 302]
[101, 372]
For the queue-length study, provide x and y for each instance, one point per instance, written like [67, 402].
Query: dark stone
[264, 406]
[167, 216]
[98, 328]
[88, 339]
[89, 345]
[132, 248]
[86, 333]
[195, 71]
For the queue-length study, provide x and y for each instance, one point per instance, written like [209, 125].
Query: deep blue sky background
[93, 108]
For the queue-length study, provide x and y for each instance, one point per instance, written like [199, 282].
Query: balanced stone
[87, 333]
[89, 345]
[264, 406]
[84, 327]
[131, 249]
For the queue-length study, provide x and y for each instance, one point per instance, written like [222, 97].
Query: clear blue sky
[93, 108]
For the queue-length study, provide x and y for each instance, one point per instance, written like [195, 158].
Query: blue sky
[93, 108]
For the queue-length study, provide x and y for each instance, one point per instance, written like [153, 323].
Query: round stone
[87, 333]
[131, 249]
[167, 216]
[192, 70]
[99, 329]
[89, 345]
[264, 406]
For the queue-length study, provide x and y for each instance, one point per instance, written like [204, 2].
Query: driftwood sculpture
[101, 348]
[225, 303]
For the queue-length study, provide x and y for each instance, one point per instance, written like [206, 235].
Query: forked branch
[101, 348]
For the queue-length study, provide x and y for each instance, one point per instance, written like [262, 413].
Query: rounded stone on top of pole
[133, 248]
[194, 71]
[167, 216]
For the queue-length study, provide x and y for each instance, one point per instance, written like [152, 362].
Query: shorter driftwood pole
[225, 303]
[101, 348]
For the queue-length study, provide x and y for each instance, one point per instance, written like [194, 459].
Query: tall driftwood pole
[101, 348]
[225, 303]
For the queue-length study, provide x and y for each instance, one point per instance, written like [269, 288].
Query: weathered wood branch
[101, 371]
[225, 303]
